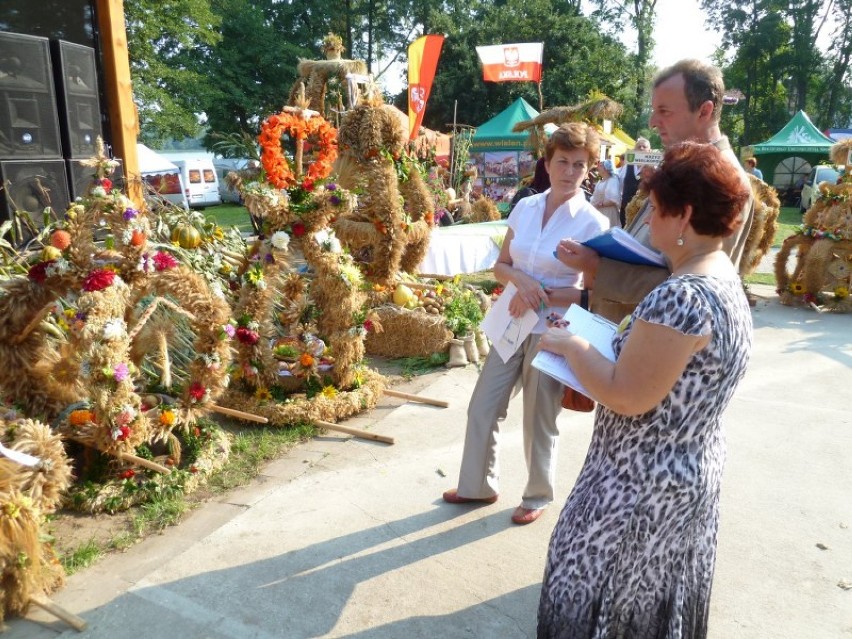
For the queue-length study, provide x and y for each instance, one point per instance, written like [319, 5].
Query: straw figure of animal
[822, 276]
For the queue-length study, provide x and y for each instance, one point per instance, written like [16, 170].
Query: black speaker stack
[50, 119]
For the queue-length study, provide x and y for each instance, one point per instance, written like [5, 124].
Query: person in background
[629, 177]
[686, 104]
[539, 184]
[634, 550]
[751, 168]
[545, 285]
[607, 195]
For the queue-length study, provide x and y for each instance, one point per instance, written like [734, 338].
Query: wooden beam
[123, 117]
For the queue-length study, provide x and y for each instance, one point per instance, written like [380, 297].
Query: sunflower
[262, 394]
[329, 391]
[841, 293]
[796, 288]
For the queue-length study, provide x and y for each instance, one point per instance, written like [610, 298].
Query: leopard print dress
[633, 553]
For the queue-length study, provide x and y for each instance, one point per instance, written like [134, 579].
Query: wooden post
[123, 117]
[145, 463]
[416, 398]
[363, 434]
[78, 623]
[231, 412]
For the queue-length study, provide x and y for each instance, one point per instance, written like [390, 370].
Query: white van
[199, 182]
[223, 167]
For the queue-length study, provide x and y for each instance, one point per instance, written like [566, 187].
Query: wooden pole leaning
[78, 623]
[232, 412]
[363, 434]
[416, 398]
[145, 463]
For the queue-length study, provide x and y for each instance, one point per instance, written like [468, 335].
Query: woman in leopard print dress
[633, 553]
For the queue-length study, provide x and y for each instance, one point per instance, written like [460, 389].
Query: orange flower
[80, 417]
[306, 360]
[272, 157]
[167, 418]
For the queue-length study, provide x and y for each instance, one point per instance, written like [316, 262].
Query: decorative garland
[298, 128]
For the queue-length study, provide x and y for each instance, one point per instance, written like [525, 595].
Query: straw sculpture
[408, 333]
[28, 566]
[822, 277]
[484, 210]
[767, 206]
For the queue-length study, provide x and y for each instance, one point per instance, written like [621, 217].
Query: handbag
[575, 400]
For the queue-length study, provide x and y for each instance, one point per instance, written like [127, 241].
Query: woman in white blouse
[545, 285]
[607, 195]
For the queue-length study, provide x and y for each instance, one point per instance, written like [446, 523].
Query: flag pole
[453, 154]
[540, 98]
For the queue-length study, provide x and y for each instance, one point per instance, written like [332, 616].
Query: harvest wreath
[300, 129]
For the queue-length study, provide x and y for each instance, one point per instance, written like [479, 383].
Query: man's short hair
[702, 82]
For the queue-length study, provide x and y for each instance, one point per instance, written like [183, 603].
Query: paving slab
[349, 538]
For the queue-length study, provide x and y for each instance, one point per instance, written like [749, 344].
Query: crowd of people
[633, 552]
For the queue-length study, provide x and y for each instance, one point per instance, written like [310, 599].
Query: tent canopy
[497, 134]
[152, 162]
[799, 136]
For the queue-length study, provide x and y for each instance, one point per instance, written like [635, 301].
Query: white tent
[152, 162]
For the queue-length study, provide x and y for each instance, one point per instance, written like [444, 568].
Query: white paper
[594, 329]
[507, 333]
[18, 456]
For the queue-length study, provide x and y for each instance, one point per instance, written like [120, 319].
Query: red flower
[197, 391]
[127, 474]
[164, 261]
[308, 185]
[98, 280]
[247, 336]
[368, 325]
[38, 272]
[106, 183]
[298, 229]
[125, 433]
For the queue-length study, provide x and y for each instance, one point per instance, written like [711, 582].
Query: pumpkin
[187, 236]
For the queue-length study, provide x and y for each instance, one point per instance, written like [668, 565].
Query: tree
[640, 14]
[835, 109]
[160, 34]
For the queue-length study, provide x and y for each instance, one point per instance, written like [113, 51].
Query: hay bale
[408, 333]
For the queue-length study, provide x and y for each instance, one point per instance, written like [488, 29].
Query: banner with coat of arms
[519, 62]
[423, 56]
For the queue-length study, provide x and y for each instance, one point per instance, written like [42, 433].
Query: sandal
[452, 497]
[523, 516]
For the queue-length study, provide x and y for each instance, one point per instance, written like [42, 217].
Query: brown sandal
[523, 516]
[452, 497]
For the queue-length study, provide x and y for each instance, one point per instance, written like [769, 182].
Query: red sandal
[523, 516]
[452, 497]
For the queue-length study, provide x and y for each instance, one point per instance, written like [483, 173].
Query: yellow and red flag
[519, 62]
[423, 56]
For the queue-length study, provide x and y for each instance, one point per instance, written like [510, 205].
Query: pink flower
[164, 261]
[230, 330]
[120, 372]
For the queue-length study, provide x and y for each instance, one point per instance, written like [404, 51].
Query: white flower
[59, 267]
[261, 284]
[253, 326]
[127, 235]
[116, 433]
[115, 329]
[129, 411]
[334, 246]
[145, 264]
[99, 191]
[280, 240]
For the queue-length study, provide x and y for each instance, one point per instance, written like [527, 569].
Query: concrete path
[349, 538]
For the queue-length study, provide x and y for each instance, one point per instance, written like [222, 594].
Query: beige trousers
[542, 396]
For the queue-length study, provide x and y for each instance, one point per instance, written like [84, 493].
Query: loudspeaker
[76, 76]
[30, 187]
[82, 177]
[29, 125]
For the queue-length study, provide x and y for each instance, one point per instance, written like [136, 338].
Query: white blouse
[532, 247]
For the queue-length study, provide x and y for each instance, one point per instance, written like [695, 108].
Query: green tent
[497, 134]
[790, 154]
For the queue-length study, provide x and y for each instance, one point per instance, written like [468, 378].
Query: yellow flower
[841, 292]
[796, 288]
[167, 418]
[262, 394]
[69, 313]
[329, 391]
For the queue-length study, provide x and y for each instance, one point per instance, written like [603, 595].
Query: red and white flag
[511, 62]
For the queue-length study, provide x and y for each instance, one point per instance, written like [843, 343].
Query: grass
[413, 366]
[82, 557]
[228, 214]
[789, 221]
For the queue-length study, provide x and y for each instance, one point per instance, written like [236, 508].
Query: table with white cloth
[464, 248]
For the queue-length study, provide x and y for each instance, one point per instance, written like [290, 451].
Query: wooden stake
[145, 463]
[35, 321]
[416, 398]
[354, 431]
[416, 285]
[78, 623]
[230, 412]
